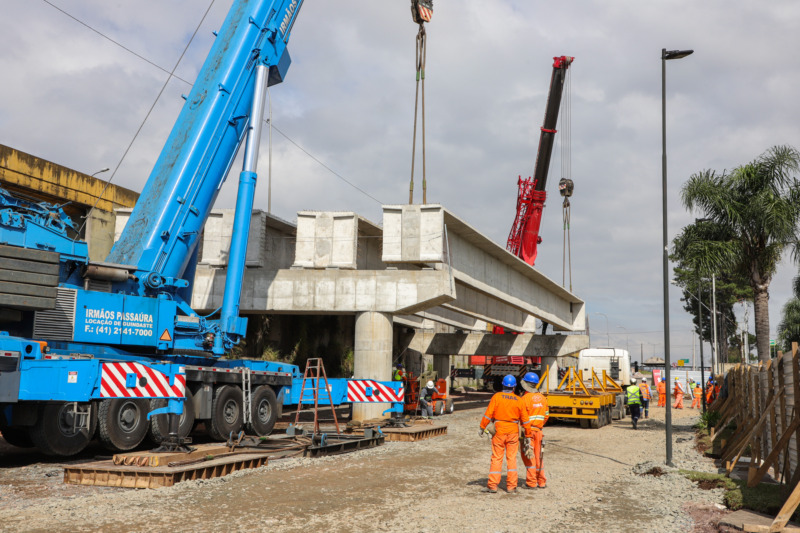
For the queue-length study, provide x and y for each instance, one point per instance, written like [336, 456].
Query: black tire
[438, 407]
[226, 413]
[159, 424]
[449, 406]
[17, 436]
[53, 432]
[264, 406]
[122, 423]
[595, 423]
[584, 423]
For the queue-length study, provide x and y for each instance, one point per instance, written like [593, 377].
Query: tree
[756, 211]
[691, 248]
[789, 328]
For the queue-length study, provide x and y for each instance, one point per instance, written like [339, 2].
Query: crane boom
[162, 233]
[524, 238]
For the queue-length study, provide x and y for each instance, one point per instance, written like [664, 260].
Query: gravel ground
[597, 482]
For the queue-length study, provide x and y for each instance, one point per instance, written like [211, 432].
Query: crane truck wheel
[265, 411]
[54, 432]
[159, 424]
[449, 406]
[438, 409]
[122, 423]
[226, 413]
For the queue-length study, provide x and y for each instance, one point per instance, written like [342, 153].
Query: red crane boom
[524, 238]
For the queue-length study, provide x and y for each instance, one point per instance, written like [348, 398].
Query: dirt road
[594, 485]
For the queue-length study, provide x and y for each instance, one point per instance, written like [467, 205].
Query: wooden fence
[763, 401]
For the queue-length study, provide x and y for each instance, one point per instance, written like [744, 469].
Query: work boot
[634, 423]
[513, 491]
[542, 486]
[488, 490]
[526, 486]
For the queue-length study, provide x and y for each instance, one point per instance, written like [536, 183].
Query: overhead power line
[172, 75]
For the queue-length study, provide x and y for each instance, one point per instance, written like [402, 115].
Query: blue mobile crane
[113, 348]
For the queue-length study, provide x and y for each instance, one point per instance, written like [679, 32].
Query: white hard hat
[429, 384]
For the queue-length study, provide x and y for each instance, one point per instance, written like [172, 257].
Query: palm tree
[757, 208]
[789, 328]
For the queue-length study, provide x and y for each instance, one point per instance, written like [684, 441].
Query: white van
[616, 363]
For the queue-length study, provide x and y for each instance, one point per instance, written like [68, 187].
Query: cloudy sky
[72, 96]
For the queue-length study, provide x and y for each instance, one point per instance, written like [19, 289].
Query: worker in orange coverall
[697, 396]
[710, 391]
[677, 393]
[661, 387]
[536, 405]
[506, 411]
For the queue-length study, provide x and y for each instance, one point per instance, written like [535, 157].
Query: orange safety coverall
[536, 405]
[709, 394]
[506, 410]
[661, 387]
[697, 402]
[678, 393]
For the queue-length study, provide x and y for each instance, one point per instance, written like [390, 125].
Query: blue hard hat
[509, 382]
[530, 377]
[399, 365]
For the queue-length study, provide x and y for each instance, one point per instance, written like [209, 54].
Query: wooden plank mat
[107, 474]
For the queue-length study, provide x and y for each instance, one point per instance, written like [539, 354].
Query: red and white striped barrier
[369, 390]
[112, 382]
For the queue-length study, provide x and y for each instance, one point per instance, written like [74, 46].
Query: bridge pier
[372, 357]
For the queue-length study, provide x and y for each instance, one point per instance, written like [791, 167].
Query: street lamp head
[675, 54]
[101, 171]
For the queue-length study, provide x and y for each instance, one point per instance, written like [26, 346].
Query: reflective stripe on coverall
[536, 405]
[507, 410]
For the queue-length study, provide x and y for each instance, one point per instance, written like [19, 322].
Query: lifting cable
[565, 185]
[421, 12]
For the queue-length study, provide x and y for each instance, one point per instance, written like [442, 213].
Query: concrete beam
[328, 291]
[491, 344]
[491, 282]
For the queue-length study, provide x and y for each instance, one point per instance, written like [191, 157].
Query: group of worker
[678, 392]
[425, 394]
[509, 419]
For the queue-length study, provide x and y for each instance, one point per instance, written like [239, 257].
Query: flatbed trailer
[594, 404]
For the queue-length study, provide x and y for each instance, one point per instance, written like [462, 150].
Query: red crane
[524, 238]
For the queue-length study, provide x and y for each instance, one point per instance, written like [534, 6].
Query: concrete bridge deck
[423, 265]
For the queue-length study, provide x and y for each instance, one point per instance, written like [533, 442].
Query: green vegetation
[763, 498]
[708, 420]
[751, 216]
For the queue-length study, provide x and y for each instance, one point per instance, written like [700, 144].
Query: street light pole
[608, 337]
[626, 337]
[665, 55]
[700, 328]
[715, 350]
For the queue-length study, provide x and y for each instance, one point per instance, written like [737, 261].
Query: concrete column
[372, 357]
[441, 364]
[552, 375]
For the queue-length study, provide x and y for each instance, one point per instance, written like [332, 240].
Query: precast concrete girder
[313, 291]
[492, 284]
[493, 344]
